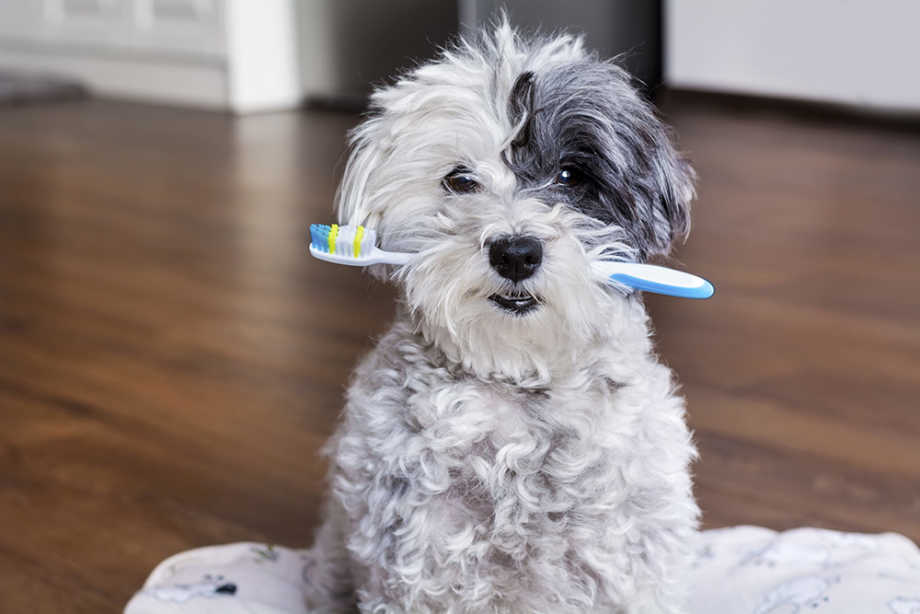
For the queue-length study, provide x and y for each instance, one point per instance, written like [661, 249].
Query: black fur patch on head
[587, 139]
[520, 104]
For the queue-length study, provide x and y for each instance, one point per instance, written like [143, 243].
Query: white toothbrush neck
[376, 256]
[650, 272]
[380, 256]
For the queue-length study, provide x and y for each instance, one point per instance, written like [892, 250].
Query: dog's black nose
[516, 257]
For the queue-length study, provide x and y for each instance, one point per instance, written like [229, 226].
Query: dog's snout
[516, 257]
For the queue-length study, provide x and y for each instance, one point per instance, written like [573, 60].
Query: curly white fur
[493, 462]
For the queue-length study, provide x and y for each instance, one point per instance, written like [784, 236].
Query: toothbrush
[351, 245]
[357, 246]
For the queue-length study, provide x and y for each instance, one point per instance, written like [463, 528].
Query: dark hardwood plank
[171, 360]
[803, 373]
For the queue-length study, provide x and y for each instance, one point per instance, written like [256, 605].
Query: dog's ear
[354, 195]
[674, 180]
[657, 182]
[653, 184]
[668, 207]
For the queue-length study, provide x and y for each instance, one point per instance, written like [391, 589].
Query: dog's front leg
[329, 585]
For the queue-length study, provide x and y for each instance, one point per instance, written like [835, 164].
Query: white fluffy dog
[512, 444]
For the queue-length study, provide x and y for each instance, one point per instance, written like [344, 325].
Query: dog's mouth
[518, 304]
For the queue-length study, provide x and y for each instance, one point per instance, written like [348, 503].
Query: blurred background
[171, 359]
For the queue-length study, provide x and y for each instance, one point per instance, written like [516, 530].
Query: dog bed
[737, 570]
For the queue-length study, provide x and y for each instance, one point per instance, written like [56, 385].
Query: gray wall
[348, 45]
[611, 27]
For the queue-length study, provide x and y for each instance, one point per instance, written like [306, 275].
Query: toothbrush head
[342, 241]
[351, 245]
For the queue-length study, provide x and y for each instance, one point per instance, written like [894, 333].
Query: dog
[512, 444]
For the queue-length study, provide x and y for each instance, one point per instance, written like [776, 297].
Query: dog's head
[510, 166]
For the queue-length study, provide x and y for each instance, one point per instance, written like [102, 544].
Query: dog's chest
[485, 491]
[535, 452]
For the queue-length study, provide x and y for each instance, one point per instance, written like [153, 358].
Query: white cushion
[747, 570]
[755, 570]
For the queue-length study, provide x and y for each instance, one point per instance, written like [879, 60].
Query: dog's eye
[569, 176]
[460, 181]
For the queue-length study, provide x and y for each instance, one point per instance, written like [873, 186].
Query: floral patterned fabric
[739, 570]
[758, 571]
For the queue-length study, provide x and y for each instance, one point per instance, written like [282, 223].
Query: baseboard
[803, 108]
[134, 77]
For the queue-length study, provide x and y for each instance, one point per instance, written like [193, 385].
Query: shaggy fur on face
[493, 459]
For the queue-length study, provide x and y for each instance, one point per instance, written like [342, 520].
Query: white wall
[860, 52]
[262, 64]
[164, 51]
[239, 55]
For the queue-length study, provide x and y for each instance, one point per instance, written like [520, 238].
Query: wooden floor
[171, 360]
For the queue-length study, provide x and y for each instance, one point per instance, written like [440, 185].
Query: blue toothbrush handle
[657, 279]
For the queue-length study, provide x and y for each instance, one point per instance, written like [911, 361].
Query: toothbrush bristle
[351, 241]
[319, 236]
[343, 240]
[359, 235]
[367, 241]
[333, 236]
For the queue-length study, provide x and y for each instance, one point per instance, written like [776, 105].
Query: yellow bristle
[333, 233]
[359, 235]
